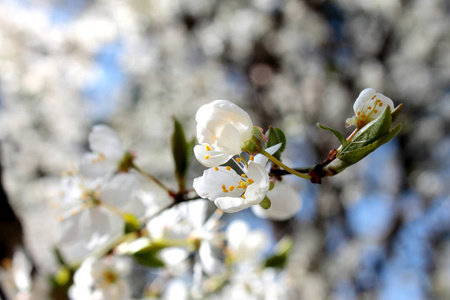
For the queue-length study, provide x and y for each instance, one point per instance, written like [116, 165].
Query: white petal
[215, 158]
[211, 264]
[364, 97]
[256, 192]
[229, 141]
[350, 121]
[119, 189]
[92, 167]
[237, 232]
[231, 204]
[103, 139]
[209, 186]
[285, 202]
[261, 159]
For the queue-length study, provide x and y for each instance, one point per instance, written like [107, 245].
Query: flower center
[243, 183]
[371, 108]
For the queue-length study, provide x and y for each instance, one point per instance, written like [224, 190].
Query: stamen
[225, 190]
[216, 168]
[228, 168]
[238, 160]
[231, 188]
[251, 157]
[244, 187]
[251, 180]
[243, 196]
[358, 113]
[381, 104]
[363, 115]
[208, 147]
[374, 96]
[224, 187]
[206, 156]
[369, 107]
[375, 111]
[243, 175]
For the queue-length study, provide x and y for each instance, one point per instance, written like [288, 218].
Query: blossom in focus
[230, 191]
[92, 212]
[222, 128]
[368, 106]
[102, 279]
[285, 203]
[107, 153]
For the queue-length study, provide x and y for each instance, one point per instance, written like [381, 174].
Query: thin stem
[279, 163]
[151, 177]
[281, 172]
[352, 135]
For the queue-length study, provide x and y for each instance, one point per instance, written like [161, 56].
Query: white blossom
[222, 128]
[368, 106]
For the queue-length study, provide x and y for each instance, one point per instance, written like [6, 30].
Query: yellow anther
[244, 187]
[251, 180]
[206, 156]
[225, 190]
[99, 158]
[243, 175]
[241, 182]
[369, 107]
[228, 168]
[374, 97]
[238, 160]
[251, 157]
[381, 104]
[224, 187]
[375, 111]
[363, 115]
[358, 113]
[243, 196]
[231, 187]
[216, 168]
[208, 147]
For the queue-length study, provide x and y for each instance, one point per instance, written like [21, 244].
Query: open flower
[102, 279]
[230, 191]
[92, 213]
[222, 129]
[368, 106]
[107, 153]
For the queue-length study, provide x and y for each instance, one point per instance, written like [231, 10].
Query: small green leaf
[279, 258]
[271, 186]
[353, 156]
[181, 153]
[265, 203]
[336, 133]
[147, 257]
[369, 133]
[275, 136]
[396, 112]
[131, 223]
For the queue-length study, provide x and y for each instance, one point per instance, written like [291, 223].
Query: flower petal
[285, 202]
[119, 189]
[210, 158]
[256, 192]
[103, 139]
[209, 186]
[231, 204]
[229, 141]
[261, 159]
[93, 167]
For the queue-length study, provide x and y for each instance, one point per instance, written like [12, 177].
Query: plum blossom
[107, 153]
[230, 191]
[102, 279]
[368, 106]
[222, 129]
[285, 203]
[92, 212]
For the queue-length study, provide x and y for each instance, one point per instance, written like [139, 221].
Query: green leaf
[336, 133]
[265, 203]
[147, 257]
[353, 156]
[131, 223]
[275, 136]
[181, 153]
[369, 133]
[279, 258]
[396, 112]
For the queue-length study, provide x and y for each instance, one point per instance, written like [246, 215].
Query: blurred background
[380, 230]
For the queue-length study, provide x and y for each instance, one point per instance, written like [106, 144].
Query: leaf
[336, 133]
[131, 223]
[181, 153]
[351, 157]
[279, 258]
[147, 257]
[369, 133]
[396, 112]
[275, 136]
[265, 203]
